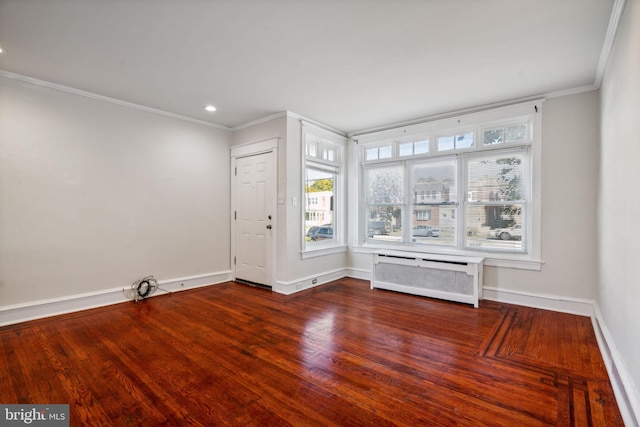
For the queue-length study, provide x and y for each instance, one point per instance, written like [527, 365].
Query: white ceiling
[351, 64]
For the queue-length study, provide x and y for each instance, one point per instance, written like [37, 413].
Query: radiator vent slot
[439, 276]
[426, 278]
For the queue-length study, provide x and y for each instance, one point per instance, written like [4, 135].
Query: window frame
[479, 122]
[391, 204]
[443, 161]
[324, 140]
[506, 151]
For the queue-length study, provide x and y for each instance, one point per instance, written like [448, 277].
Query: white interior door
[255, 194]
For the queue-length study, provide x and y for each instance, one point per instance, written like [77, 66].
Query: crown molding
[449, 114]
[316, 123]
[260, 121]
[291, 115]
[607, 46]
[570, 91]
[95, 96]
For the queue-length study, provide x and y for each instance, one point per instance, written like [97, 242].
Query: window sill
[491, 259]
[316, 252]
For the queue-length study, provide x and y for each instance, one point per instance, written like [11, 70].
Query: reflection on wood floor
[342, 355]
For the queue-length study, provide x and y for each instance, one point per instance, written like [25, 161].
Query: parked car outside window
[425, 231]
[377, 228]
[320, 233]
[507, 233]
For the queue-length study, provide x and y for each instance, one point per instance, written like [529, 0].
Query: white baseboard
[547, 302]
[288, 288]
[359, 273]
[627, 396]
[51, 307]
[582, 307]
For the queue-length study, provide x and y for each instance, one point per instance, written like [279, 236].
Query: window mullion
[461, 219]
[407, 213]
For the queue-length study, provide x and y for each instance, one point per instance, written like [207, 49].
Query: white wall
[293, 272]
[274, 128]
[569, 199]
[619, 204]
[263, 130]
[298, 269]
[570, 150]
[94, 195]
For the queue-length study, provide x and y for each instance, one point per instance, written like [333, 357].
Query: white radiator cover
[450, 277]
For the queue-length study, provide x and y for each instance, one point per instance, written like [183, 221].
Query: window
[421, 146]
[434, 191]
[463, 189]
[496, 208]
[512, 133]
[379, 153]
[423, 215]
[319, 190]
[385, 202]
[322, 188]
[456, 141]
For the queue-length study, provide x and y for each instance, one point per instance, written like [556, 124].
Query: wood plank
[341, 355]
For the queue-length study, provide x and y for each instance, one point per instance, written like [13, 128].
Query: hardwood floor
[343, 355]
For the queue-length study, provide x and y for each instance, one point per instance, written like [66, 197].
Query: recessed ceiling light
[210, 108]
[1, 49]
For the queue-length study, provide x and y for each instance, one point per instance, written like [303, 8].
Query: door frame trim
[269, 145]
